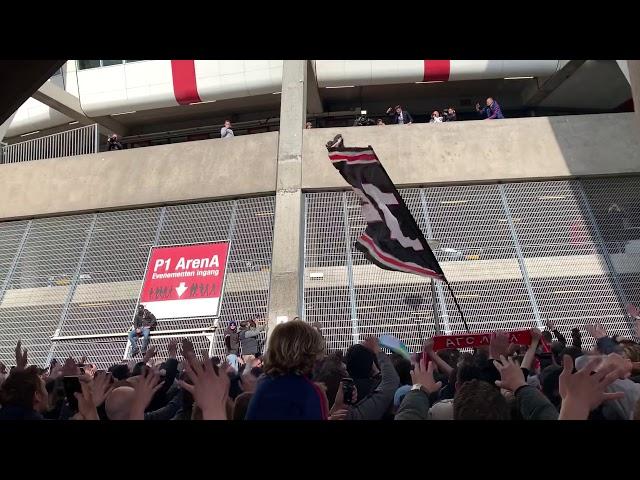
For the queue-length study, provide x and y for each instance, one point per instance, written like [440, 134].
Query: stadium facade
[532, 217]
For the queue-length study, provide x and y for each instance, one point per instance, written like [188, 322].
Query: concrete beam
[314, 102]
[634, 80]
[287, 269]
[5, 126]
[532, 148]
[536, 148]
[62, 101]
[160, 175]
[553, 82]
[20, 78]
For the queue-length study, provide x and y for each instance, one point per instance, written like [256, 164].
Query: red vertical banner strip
[436, 70]
[185, 88]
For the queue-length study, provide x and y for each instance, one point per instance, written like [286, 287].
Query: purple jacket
[496, 111]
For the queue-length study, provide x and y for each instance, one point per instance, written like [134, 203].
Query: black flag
[392, 239]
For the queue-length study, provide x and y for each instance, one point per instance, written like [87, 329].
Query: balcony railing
[79, 141]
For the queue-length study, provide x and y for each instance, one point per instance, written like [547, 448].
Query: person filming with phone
[368, 393]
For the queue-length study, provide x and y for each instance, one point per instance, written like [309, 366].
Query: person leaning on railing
[113, 143]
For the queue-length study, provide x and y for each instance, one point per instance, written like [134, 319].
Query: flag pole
[434, 303]
[455, 300]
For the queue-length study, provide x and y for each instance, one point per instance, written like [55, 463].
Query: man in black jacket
[143, 323]
[232, 345]
[399, 116]
[249, 339]
[113, 143]
[449, 115]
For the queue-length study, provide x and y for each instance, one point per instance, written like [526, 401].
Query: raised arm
[527, 361]
[532, 403]
[415, 405]
[376, 404]
[443, 366]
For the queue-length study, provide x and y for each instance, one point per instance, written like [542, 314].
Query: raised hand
[584, 390]
[427, 346]
[21, 356]
[596, 330]
[86, 403]
[536, 335]
[100, 387]
[172, 348]
[210, 390]
[550, 325]
[623, 365]
[511, 374]
[372, 344]
[150, 353]
[499, 344]
[145, 388]
[70, 368]
[424, 376]
[187, 347]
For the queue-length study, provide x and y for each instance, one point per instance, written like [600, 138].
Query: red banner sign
[185, 280]
[471, 340]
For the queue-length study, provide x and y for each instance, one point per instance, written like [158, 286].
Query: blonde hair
[294, 348]
[631, 350]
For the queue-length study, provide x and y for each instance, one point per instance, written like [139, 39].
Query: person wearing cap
[232, 345]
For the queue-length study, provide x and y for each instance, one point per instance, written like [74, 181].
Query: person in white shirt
[436, 117]
[226, 132]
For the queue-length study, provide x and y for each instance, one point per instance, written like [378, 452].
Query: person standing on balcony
[226, 132]
[436, 117]
[484, 112]
[495, 112]
[450, 115]
[399, 116]
[113, 143]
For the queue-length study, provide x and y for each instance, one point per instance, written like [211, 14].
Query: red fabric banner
[470, 340]
[185, 87]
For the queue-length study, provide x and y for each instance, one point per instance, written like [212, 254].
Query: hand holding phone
[71, 386]
[347, 390]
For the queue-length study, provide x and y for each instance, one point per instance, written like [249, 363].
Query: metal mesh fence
[515, 255]
[79, 276]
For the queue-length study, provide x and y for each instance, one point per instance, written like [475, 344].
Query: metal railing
[79, 141]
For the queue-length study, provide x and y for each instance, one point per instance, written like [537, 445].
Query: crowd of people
[400, 116]
[297, 378]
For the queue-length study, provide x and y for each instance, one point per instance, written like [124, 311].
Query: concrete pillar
[634, 79]
[287, 265]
